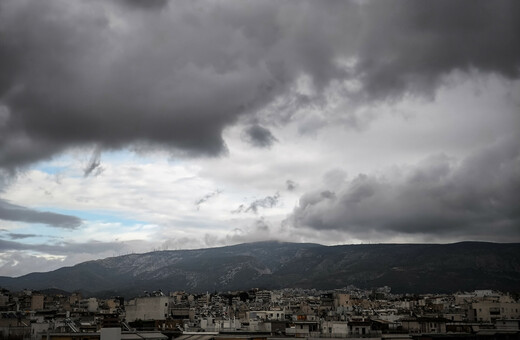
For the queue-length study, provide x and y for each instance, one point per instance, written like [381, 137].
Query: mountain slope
[410, 268]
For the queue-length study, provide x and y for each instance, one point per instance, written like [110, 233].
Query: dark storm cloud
[408, 46]
[477, 198]
[13, 212]
[113, 73]
[259, 136]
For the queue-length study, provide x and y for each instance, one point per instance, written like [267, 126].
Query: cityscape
[347, 313]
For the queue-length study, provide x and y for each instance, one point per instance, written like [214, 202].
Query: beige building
[489, 311]
[341, 300]
[424, 325]
[147, 308]
[334, 328]
[37, 301]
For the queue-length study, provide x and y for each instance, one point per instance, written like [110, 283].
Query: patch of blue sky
[128, 155]
[121, 156]
[67, 160]
[50, 169]
[55, 165]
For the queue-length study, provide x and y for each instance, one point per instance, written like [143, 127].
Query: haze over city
[130, 126]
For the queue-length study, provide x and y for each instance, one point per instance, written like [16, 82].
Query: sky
[130, 126]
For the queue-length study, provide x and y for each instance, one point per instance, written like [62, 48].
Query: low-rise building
[490, 311]
[147, 308]
[424, 325]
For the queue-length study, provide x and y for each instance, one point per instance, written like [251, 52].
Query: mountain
[412, 268]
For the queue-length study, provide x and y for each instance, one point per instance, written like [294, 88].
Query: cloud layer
[13, 212]
[114, 73]
[476, 199]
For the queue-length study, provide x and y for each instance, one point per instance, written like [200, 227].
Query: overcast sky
[131, 126]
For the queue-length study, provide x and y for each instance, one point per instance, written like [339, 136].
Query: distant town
[257, 314]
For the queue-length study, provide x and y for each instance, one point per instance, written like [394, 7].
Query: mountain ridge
[413, 268]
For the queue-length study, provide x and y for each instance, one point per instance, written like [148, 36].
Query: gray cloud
[13, 212]
[476, 198]
[93, 164]
[63, 248]
[266, 203]
[15, 236]
[16, 263]
[258, 231]
[19, 236]
[114, 73]
[259, 136]
[290, 184]
[147, 4]
[206, 197]
[19, 258]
